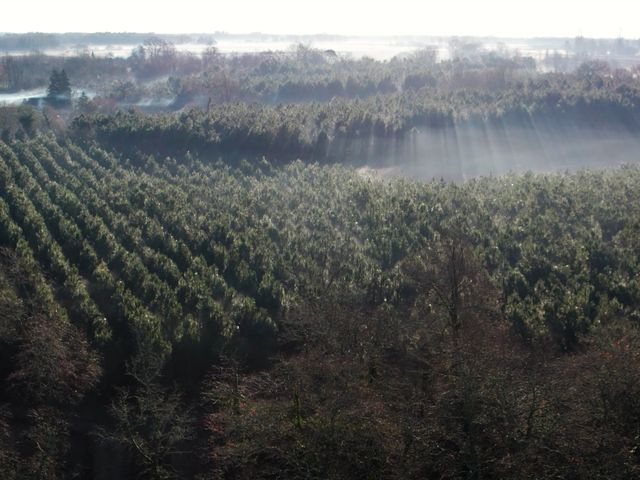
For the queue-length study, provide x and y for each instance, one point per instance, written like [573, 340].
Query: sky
[502, 18]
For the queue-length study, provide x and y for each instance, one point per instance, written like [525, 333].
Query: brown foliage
[49, 368]
[436, 387]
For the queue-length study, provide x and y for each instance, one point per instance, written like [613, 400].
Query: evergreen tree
[84, 104]
[59, 91]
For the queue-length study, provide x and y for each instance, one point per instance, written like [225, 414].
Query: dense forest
[181, 317]
[216, 291]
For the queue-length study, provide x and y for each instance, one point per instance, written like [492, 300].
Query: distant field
[378, 48]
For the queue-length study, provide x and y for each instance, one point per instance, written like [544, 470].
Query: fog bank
[461, 152]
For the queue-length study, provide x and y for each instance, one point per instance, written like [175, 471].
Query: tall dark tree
[59, 92]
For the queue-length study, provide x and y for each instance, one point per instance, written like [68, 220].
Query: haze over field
[470, 151]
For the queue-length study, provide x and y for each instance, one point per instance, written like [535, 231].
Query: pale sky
[506, 18]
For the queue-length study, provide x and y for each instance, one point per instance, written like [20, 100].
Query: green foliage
[181, 246]
[328, 130]
[59, 91]
[400, 311]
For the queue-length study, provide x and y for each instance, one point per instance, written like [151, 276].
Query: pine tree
[59, 91]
